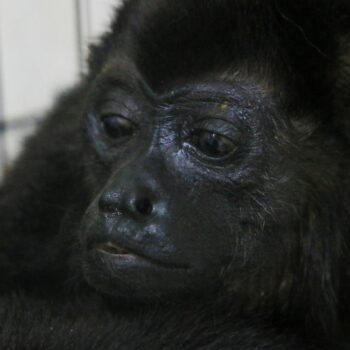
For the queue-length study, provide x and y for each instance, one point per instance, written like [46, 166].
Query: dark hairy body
[193, 191]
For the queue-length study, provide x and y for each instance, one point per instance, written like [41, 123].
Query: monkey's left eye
[117, 127]
[212, 144]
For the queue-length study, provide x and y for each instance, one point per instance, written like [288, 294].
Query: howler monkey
[192, 191]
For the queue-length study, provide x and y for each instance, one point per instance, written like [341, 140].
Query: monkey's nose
[134, 204]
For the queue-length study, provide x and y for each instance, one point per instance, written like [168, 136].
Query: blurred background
[43, 50]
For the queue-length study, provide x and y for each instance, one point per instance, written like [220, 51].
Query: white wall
[43, 47]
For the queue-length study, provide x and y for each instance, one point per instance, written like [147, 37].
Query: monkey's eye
[212, 144]
[117, 127]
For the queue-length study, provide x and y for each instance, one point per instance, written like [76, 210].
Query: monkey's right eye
[116, 126]
[212, 144]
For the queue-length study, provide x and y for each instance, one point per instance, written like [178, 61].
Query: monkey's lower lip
[121, 254]
[111, 249]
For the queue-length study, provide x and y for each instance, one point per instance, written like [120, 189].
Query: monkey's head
[212, 159]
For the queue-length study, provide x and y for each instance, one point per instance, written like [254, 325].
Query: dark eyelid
[114, 105]
[120, 116]
[122, 109]
[217, 125]
[107, 114]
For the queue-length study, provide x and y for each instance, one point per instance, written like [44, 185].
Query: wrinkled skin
[192, 192]
[170, 166]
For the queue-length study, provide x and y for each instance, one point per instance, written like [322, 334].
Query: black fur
[294, 56]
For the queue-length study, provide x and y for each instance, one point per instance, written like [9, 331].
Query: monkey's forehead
[176, 42]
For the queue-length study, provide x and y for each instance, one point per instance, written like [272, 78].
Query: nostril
[144, 206]
[125, 203]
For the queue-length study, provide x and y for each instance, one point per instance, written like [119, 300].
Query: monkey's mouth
[111, 249]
